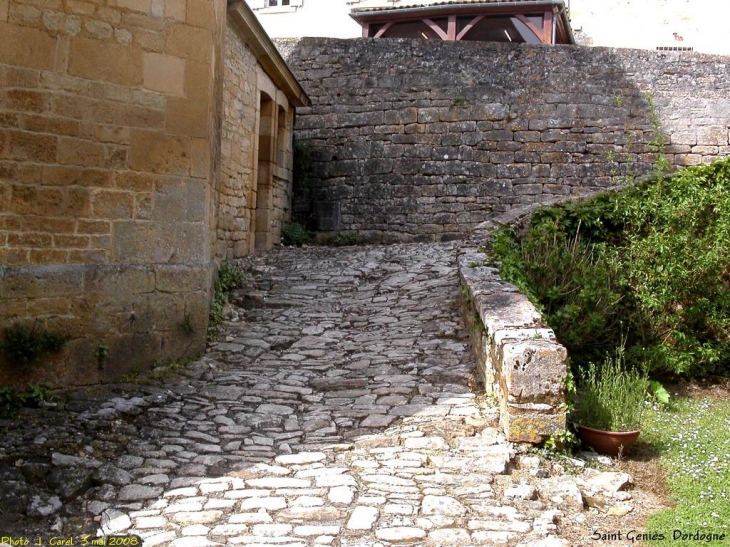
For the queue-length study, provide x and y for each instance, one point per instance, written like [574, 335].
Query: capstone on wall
[417, 139]
[107, 132]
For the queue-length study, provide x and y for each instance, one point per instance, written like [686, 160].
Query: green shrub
[649, 262]
[572, 283]
[24, 345]
[295, 234]
[674, 264]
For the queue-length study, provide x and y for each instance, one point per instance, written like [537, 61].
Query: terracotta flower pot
[607, 442]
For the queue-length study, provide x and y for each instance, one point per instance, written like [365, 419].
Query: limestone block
[27, 100]
[709, 136]
[157, 312]
[688, 159]
[200, 13]
[111, 280]
[180, 200]
[143, 6]
[200, 158]
[111, 204]
[39, 281]
[186, 117]
[531, 423]
[48, 306]
[25, 46]
[175, 9]
[534, 370]
[506, 308]
[72, 151]
[175, 243]
[198, 80]
[179, 278]
[37, 200]
[164, 73]
[188, 42]
[159, 152]
[28, 146]
[106, 61]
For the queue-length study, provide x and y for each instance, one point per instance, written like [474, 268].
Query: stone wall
[416, 139]
[109, 115]
[240, 98]
[127, 174]
[256, 176]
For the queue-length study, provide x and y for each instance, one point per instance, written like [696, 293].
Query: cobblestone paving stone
[338, 408]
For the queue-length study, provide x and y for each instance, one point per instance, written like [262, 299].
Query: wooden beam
[365, 30]
[470, 25]
[451, 28]
[437, 29]
[538, 32]
[385, 27]
[547, 27]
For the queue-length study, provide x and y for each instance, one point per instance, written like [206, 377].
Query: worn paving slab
[338, 408]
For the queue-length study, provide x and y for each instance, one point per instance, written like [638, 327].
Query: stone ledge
[522, 365]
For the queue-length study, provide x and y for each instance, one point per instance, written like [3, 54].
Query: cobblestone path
[338, 408]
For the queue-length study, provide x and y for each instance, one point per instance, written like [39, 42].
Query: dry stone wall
[109, 116]
[414, 139]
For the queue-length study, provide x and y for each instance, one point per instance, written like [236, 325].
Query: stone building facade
[423, 140]
[117, 177]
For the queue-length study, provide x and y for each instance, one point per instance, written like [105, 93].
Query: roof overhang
[265, 52]
[486, 7]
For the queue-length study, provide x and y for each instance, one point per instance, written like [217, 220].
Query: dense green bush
[295, 234]
[649, 263]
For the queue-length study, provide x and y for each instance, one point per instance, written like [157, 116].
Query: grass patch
[692, 437]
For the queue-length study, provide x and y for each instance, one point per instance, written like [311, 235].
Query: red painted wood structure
[525, 21]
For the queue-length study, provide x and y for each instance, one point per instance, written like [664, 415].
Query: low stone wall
[522, 365]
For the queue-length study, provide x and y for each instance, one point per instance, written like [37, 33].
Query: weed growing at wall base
[12, 399]
[23, 345]
[229, 278]
[295, 234]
